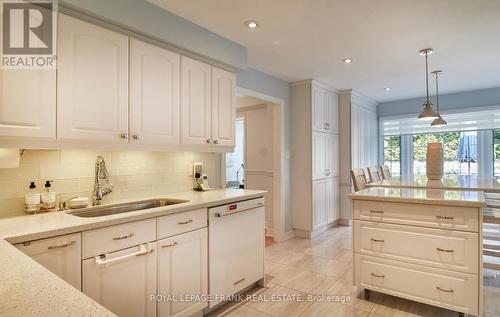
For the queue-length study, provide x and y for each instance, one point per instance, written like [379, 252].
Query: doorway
[258, 158]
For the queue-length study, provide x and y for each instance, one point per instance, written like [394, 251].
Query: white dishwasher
[236, 247]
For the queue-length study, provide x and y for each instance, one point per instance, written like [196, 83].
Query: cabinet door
[333, 199]
[182, 271]
[320, 203]
[154, 94]
[125, 285]
[332, 154]
[320, 155]
[28, 103]
[318, 109]
[223, 107]
[332, 108]
[92, 82]
[195, 102]
[60, 255]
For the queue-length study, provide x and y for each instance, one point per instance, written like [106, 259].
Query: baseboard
[308, 234]
[269, 232]
[344, 222]
[288, 235]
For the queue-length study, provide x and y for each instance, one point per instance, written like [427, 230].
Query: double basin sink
[106, 210]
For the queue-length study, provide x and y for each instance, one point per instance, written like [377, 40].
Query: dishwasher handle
[229, 213]
[144, 250]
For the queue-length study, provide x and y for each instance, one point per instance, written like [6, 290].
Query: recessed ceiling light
[388, 88]
[252, 24]
[347, 60]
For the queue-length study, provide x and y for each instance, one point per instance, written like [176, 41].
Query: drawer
[446, 249]
[171, 225]
[434, 216]
[105, 240]
[448, 289]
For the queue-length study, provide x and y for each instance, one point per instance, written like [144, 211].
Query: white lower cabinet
[60, 255]
[325, 201]
[182, 272]
[123, 281]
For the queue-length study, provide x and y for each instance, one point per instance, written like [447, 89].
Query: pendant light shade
[439, 121]
[427, 111]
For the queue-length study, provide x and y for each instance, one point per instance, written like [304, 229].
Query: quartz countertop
[461, 182]
[422, 196]
[28, 289]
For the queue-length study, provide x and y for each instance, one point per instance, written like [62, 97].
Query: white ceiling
[302, 39]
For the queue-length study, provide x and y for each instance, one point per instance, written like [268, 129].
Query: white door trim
[278, 108]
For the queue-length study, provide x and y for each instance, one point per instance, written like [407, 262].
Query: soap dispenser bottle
[32, 199]
[48, 197]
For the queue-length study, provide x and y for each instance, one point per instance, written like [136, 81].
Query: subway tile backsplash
[134, 174]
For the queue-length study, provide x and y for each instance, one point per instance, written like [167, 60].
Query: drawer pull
[173, 244]
[130, 235]
[445, 217]
[61, 246]
[376, 240]
[101, 259]
[446, 290]
[239, 281]
[377, 211]
[445, 250]
[377, 275]
[185, 222]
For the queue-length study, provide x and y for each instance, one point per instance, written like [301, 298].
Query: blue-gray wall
[261, 82]
[467, 99]
[145, 18]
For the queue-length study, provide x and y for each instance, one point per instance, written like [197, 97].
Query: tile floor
[323, 265]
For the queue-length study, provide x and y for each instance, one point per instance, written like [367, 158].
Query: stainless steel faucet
[101, 174]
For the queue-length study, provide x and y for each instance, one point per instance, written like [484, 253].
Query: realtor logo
[28, 34]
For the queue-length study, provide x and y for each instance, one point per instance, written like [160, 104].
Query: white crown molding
[313, 82]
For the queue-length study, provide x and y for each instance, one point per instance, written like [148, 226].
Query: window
[392, 154]
[496, 152]
[460, 152]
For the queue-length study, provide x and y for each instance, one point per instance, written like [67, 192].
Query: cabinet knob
[216, 141]
[327, 126]
[137, 137]
[124, 135]
[209, 141]
[327, 172]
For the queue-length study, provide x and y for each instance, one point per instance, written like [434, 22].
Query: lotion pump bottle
[32, 199]
[48, 197]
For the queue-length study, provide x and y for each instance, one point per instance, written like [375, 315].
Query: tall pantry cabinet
[314, 158]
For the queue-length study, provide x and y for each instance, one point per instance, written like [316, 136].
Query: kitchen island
[420, 244]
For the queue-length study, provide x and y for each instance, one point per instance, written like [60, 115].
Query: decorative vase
[434, 162]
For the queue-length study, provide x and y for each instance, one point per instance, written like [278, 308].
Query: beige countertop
[422, 196]
[461, 182]
[28, 289]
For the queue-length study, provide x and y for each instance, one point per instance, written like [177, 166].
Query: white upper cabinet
[195, 102]
[332, 155]
[320, 155]
[332, 112]
[28, 103]
[154, 94]
[92, 82]
[318, 109]
[223, 107]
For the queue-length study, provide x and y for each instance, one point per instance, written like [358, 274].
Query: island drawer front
[118, 237]
[451, 290]
[171, 225]
[445, 249]
[434, 216]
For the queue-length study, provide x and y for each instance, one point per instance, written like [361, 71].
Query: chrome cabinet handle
[445, 217]
[445, 250]
[376, 240]
[377, 275]
[446, 290]
[327, 172]
[130, 235]
[61, 246]
[209, 141]
[216, 141]
[185, 222]
[239, 281]
[99, 259]
[377, 211]
[124, 136]
[173, 244]
[137, 137]
[327, 126]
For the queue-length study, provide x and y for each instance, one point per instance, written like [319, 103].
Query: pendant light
[439, 121]
[427, 113]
